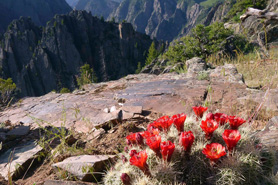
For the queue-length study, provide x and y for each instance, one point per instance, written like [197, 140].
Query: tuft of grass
[258, 70]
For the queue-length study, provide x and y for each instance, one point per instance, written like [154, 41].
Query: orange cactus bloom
[167, 149]
[199, 111]
[214, 151]
[209, 126]
[178, 121]
[235, 122]
[186, 140]
[231, 138]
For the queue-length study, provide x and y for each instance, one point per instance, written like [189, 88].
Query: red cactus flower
[154, 143]
[153, 125]
[235, 122]
[140, 160]
[134, 138]
[178, 120]
[231, 138]
[209, 126]
[199, 111]
[210, 116]
[132, 153]
[167, 149]
[186, 140]
[125, 179]
[220, 118]
[214, 151]
[149, 133]
[164, 123]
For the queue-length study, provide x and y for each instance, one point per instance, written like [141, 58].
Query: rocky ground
[92, 123]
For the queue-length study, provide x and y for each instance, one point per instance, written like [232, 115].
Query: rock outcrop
[40, 11]
[40, 60]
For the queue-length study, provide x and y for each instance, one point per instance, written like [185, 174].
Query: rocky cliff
[40, 60]
[166, 19]
[40, 11]
[97, 7]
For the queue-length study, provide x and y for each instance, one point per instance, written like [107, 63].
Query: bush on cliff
[204, 41]
[7, 90]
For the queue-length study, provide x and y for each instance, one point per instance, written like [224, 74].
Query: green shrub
[64, 90]
[204, 41]
[241, 6]
[7, 90]
[87, 75]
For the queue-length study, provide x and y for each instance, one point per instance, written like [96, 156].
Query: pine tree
[152, 54]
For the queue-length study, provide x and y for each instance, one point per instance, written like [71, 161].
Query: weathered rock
[83, 167]
[269, 137]
[18, 159]
[195, 65]
[19, 131]
[226, 73]
[56, 182]
[2, 136]
[133, 109]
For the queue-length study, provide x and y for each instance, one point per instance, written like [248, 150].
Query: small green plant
[87, 75]
[64, 90]
[203, 75]
[7, 90]
[139, 68]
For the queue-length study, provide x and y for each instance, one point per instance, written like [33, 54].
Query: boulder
[195, 65]
[84, 167]
[18, 159]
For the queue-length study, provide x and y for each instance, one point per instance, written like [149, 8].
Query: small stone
[106, 110]
[112, 109]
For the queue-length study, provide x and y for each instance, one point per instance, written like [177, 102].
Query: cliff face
[41, 60]
[166, 19]
[97, 7]
[72, 3]
[40, 11]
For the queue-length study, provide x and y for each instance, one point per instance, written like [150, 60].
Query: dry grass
[243, 167]
[258, 69]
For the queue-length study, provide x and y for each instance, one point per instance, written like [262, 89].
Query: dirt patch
[113, 142]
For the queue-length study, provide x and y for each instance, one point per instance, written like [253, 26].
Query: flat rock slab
[84, 166]
[269, 136]
[54, 182]
[18, 159]
[134, 95]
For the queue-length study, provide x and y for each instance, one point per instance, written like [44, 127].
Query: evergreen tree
[152, 54]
